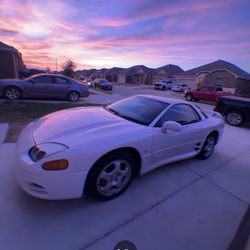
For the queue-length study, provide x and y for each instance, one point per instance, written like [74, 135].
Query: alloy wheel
[73, 96]
[114, 177]
[209, 146]
[12, 93]
[234, 118]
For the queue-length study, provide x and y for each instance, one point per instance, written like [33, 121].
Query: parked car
[44, 85]
[236, 110]
[163, 85]
[208, 93]
[99, 150]
[180, 87]
[89, 82]
[82, 78]
[103, 84]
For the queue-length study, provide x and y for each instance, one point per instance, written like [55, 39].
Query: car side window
[181, 113]
[42, 79]
[61, 80]
[203, 89]
[210, 89]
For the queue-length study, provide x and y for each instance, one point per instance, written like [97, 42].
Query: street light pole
[57, 58]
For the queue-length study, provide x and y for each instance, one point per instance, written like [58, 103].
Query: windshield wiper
[123, 116]
[132, 119]
[113, 111]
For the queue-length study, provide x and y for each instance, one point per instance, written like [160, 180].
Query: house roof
[170, 69]
[219, 65]
[5, 47]
[115, 70]
[135, 68]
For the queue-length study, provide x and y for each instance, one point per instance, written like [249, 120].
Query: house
[223, 73]
[116, 75]
[167, 72]
[138, 74]
[11, 63]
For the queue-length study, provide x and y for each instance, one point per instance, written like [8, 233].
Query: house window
[219, 81]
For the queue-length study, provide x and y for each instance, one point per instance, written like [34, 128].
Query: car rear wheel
[73, 96]
[12, 93]
[234, 118]
[208, 147]
[110, 176]
[163, 88]
[188, 97]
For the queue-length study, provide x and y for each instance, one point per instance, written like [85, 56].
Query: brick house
[138, 74]
[11, 63]
[223, 73]
[167, 72]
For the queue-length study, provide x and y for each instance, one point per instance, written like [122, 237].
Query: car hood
[75, 126]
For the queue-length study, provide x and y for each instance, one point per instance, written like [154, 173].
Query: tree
[48, 69]
[68, 68]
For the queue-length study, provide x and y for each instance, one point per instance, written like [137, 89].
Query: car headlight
[40, 151]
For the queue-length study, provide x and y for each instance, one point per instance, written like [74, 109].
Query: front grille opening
[36, 186]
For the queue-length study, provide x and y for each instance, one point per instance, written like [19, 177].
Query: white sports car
[99, 150]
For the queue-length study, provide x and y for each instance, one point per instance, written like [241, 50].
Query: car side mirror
[108, 102]
[171, 125]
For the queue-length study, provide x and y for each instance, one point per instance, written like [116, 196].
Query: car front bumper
[58, 184]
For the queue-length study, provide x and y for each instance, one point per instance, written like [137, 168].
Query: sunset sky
[98, 33]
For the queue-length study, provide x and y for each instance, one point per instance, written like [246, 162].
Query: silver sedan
[44, 85]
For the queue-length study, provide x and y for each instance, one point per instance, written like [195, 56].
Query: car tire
[110, 176]
[234, 118]
[208, 147]
[12, 93]
[163, 88]
[73, 96]
[189, 97]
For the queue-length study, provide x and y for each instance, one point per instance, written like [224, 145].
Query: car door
[170, 146]
[61, 86]
[39, 86]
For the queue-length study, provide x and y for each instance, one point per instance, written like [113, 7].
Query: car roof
[49, 74]
[164, 99]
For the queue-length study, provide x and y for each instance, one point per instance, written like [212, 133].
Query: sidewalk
[3, 131]
[189, 205]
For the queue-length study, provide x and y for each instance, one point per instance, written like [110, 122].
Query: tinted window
[42, 79]
[104, 81]
[204, 89]
[61, 80]
[182, 113]
[210, 89]
[138, 109]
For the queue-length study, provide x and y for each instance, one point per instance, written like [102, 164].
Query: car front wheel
[234, 118]
[208, 147]
[12, 93]
[73, 96]
[110, 176]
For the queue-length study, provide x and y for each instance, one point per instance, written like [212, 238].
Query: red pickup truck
[208, 93]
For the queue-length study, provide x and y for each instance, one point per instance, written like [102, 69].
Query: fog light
[55, 165]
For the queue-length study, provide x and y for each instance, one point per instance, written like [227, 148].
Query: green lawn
[19, 114]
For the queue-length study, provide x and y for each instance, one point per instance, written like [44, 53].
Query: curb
[4, 127]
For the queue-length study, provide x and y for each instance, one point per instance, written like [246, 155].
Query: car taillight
[55, 165]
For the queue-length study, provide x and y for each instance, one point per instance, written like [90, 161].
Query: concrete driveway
[191, 204]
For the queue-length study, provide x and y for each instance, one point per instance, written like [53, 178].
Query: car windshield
[138, 109]
[104, 81]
